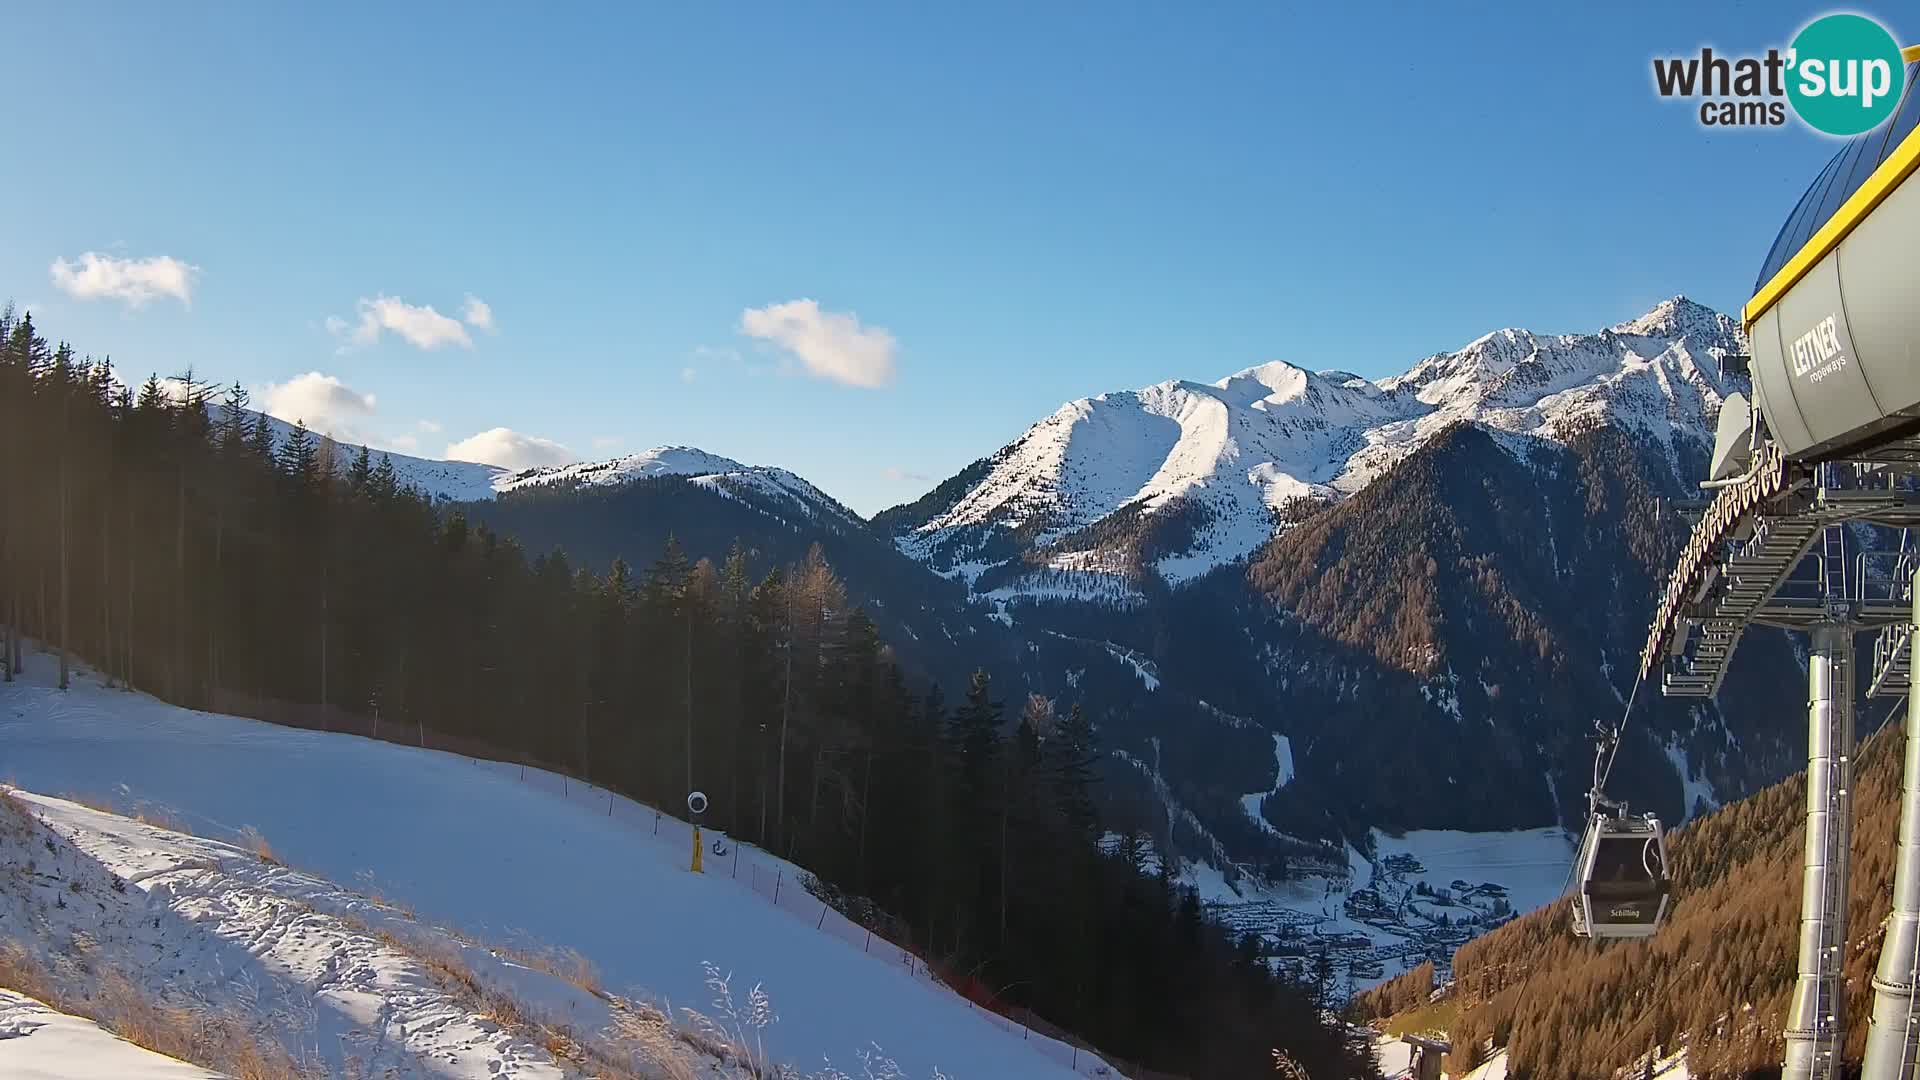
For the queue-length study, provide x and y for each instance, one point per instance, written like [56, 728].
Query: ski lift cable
[1609, 748]
[1612, 747]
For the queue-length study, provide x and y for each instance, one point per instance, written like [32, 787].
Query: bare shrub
[568, 965]
[1288, 1068]
[253, 841]
[92, 802]
[159, 818]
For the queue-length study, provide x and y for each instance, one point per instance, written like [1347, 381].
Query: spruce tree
[297, 458]
[1074, 756]
[385, 483]
[360, 474]
[233, 419]
[260, 442]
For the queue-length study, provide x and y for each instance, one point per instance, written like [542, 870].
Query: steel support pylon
[1893, 1041]
[1816, 1018]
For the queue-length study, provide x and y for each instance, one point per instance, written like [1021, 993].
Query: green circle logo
[1845, 74]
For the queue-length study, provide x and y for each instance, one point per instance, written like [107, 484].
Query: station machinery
[1828, 447]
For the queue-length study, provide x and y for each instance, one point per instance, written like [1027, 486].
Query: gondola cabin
[1624, 890]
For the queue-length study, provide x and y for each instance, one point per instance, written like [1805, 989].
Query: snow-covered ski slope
[539, 859]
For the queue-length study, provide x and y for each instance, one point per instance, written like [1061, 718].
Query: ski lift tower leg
[1815, 1021]
[1893, 1041]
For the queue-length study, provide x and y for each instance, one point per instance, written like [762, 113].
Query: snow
[1143, 668]
[724, 476]
[38, 1042]
[1282, 761]
[1051, 584]
[462, 481]
[1283, 775]
[1673, 1067]
[468, 481]
[1694, 791]
[1394, 1056]
[1236, 450]
[1495, 1068]
[1530, 864]
[1443, 695]
[503, 855]
[1370, 915]
[214, 923]
[1273, 425]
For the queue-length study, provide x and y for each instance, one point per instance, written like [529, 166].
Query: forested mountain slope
[924, 619]
[1718, 976]
[187, 552]
[1431, 585]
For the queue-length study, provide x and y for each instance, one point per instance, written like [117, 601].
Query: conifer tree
[239, 575]
[297, 457]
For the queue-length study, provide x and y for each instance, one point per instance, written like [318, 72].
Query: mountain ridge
[1231, 456]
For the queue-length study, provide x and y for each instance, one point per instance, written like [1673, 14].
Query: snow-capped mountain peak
[468, 481]
[659, 461]
[722, 475]
[1224, 458]
[1278, 379]
[1679, 317]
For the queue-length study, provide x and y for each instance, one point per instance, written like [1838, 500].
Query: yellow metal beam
[1891, 173]
[1910, 53]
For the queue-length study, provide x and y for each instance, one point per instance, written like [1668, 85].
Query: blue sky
[993, 207]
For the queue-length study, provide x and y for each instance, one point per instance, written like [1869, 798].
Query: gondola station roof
[1850, 168]
[1836, 313]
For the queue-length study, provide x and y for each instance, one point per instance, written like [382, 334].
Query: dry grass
[643, 1044]
[16, 818]
[442, 959]
[252, 840]
[19, 972]
[10, 803]
[156, 816]
[92, 802]
[160, 819]
[649, 1039]
[1288, 1068]
[221, 1041]
[564, 964]
[381, 900]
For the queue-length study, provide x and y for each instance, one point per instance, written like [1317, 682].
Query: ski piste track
[632, 907]
[1827, 446]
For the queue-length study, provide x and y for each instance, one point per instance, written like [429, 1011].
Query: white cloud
[477, 313]
[323, 402]
[133, 282]
[173, 389]
[510, 450]
[689, 374]
[830, 344]
[404, 442]
[900, 475]
[418, 325]
[606, 442]
[708, 355]
[429, 427]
